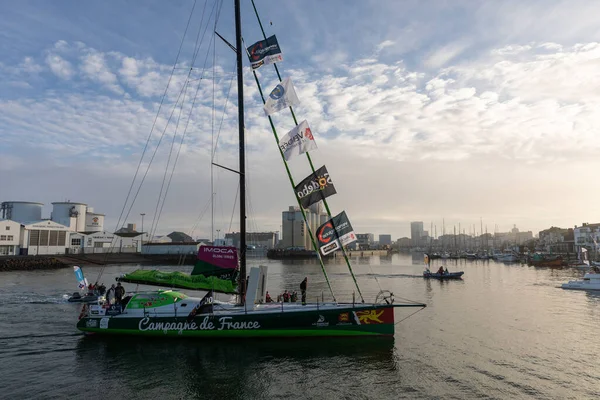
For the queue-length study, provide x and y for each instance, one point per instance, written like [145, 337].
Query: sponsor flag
[281, 97]
[317, 186]
[335, 233]
[297, 141]
[205, 306]
[81, 281]
[264, 52]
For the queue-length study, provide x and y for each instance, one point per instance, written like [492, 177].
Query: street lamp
[142, 214]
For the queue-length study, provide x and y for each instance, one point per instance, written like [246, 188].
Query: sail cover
[219, 261]
[179, 280]
[265, 52]
[335, 233]
[315, 187]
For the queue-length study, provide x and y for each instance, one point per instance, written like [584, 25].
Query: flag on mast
[265, 52]
[283, 96]
[297, 141]
[335, 233]
[315, 187]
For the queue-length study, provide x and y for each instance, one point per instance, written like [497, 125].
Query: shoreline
[43, 262]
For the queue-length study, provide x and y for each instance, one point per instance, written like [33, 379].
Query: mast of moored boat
[240, 87]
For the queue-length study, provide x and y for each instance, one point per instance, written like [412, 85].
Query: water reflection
[227, 368]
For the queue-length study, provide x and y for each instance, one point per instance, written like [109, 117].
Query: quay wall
[29, 263]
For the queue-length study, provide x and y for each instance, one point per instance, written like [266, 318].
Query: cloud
[518, 116]
[384, 44]
[441, 56]
[94, 67]
[59, 66]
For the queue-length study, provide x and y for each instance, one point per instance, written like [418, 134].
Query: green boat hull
[375, 320]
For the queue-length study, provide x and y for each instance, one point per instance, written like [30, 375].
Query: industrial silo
[21, 211]
[94, 222]
[70, 214]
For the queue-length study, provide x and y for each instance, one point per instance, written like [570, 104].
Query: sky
[453, 111]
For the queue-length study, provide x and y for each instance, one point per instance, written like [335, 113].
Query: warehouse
[44, 237]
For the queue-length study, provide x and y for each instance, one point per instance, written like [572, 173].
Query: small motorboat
[591, 281]
[446, 275]
[87, 298]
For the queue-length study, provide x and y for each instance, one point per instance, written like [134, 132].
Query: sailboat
[171, 313]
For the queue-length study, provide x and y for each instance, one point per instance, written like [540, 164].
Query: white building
[587, 235]
[44, 237]
[10, 236]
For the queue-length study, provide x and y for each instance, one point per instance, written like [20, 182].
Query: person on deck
[286, 297]
[441, 270]
[110, 294]
[303, 290]
[119, 293]
[268, 298]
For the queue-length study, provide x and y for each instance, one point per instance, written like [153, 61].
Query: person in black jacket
[119, 293]
[303, 290]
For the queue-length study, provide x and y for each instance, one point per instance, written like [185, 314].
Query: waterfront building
[557, 240]
[404, 243]
[44, 237]
[264, 240]
[364, 241]
[588, 236]
[385, 240]
[10, 235]
[294, 232]
[416, 232]
[37, 235]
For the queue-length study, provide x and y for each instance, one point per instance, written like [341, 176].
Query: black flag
[265, 52]
[315, 187]
[205, 306]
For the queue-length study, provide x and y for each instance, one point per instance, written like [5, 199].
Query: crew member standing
[303, 290]
[119, 293]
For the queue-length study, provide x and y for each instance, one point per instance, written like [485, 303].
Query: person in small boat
[303, 286]
[268, 298]
[441, 270]
[119, 293]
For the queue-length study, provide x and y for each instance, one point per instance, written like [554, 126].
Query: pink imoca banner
[219, 256]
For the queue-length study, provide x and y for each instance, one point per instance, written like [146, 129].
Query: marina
[498, 333]
[279, 157]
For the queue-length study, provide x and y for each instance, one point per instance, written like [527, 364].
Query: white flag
[281, 97]
[297, 141]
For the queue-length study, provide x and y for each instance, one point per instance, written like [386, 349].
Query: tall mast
[240, 87]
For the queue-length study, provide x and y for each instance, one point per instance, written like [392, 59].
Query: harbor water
[504, 331]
